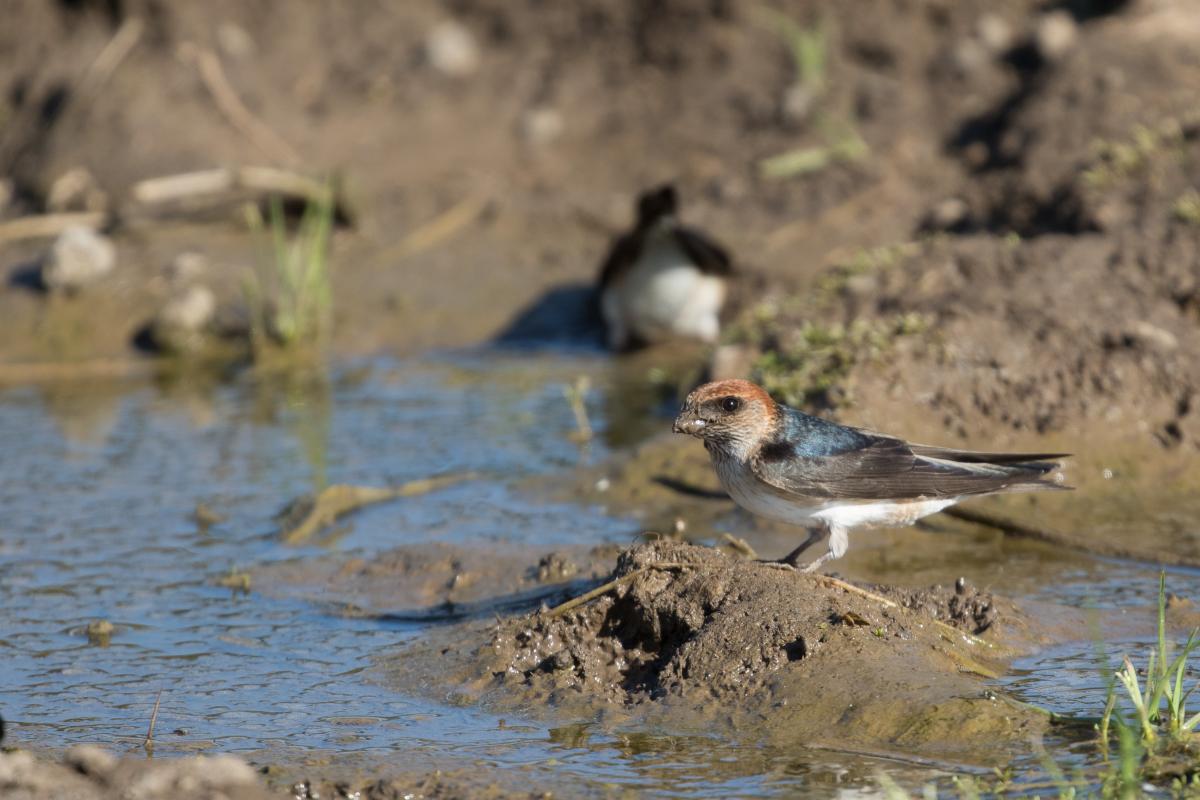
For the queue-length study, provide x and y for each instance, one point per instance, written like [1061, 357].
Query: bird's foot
[778, 564]
[816, 563]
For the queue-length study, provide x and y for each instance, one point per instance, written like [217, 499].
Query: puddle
[98, 488]
[98, 496]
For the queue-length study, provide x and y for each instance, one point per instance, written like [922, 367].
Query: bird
[662, 280]
[786, 465]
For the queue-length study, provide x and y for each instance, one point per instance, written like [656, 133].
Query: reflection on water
[98, 487]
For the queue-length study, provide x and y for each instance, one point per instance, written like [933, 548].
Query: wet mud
[1005, 258]
[699, 640]
[437, 582]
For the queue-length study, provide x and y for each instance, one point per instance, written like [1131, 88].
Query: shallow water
[98, 487]
[98, 496]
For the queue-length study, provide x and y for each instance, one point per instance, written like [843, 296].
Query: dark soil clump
[695, 640]
[686, 620]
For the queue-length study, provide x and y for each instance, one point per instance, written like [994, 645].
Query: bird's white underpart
[663, 296]
[834, 518]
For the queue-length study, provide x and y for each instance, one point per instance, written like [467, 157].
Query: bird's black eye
[730, 404]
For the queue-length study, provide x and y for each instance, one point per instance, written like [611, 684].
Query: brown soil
[87, 772]
[1036, 222]
[1061, 295]
[437, 581]
[697, 640]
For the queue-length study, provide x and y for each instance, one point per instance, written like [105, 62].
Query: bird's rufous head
[733, 416]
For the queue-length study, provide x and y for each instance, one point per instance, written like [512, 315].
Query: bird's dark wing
[885, 468]
[621, 256]
[977, 457]
[710, 257]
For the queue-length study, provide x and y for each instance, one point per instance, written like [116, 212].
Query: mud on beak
[687, 423]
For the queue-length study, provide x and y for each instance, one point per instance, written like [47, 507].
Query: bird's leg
[815, 534]
[839, 542]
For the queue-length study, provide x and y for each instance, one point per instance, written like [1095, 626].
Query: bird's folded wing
[976, 457]
[882, 467]
[621, 256]
[706, 254]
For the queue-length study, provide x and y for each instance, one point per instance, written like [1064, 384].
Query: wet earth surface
[394, 642]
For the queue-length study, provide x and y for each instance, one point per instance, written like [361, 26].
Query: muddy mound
[683, 619]
[691, 638]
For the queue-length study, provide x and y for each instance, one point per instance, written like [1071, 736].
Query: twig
[117, 49]
[40, 226]
[605, 588]
[740, 546]
[223, 180]
[888, 603]
[441, 227]
[849, 587]
[337, 501]
[149, 743]
[212, 74]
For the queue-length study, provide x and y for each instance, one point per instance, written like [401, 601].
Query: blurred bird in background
[662, 280]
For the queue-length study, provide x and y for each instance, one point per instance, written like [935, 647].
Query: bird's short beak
[685, 423]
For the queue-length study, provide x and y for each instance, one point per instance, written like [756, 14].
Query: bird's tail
[1023, 471]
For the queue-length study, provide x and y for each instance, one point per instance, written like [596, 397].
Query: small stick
[222, 180]
[212, 74]
[338, 500]
[740, 546]
[39, 226]
[149, 743]
[849, 587]
[605, 588]
[118, 47]
[441, 227]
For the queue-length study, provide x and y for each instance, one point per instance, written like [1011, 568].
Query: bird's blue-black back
[806, 436]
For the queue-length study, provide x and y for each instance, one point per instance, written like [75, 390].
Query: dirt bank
[1050, 153]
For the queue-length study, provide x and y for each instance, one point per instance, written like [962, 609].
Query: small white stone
[970, 57]
[1154, 336]
[76, 190]
[79, 257]
[1056, 34]
[994, 33]
[191, 309]
[950, 213]
[184, 322]
[451, 49]
[234, 41]
[799, 100]
[541, 126]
